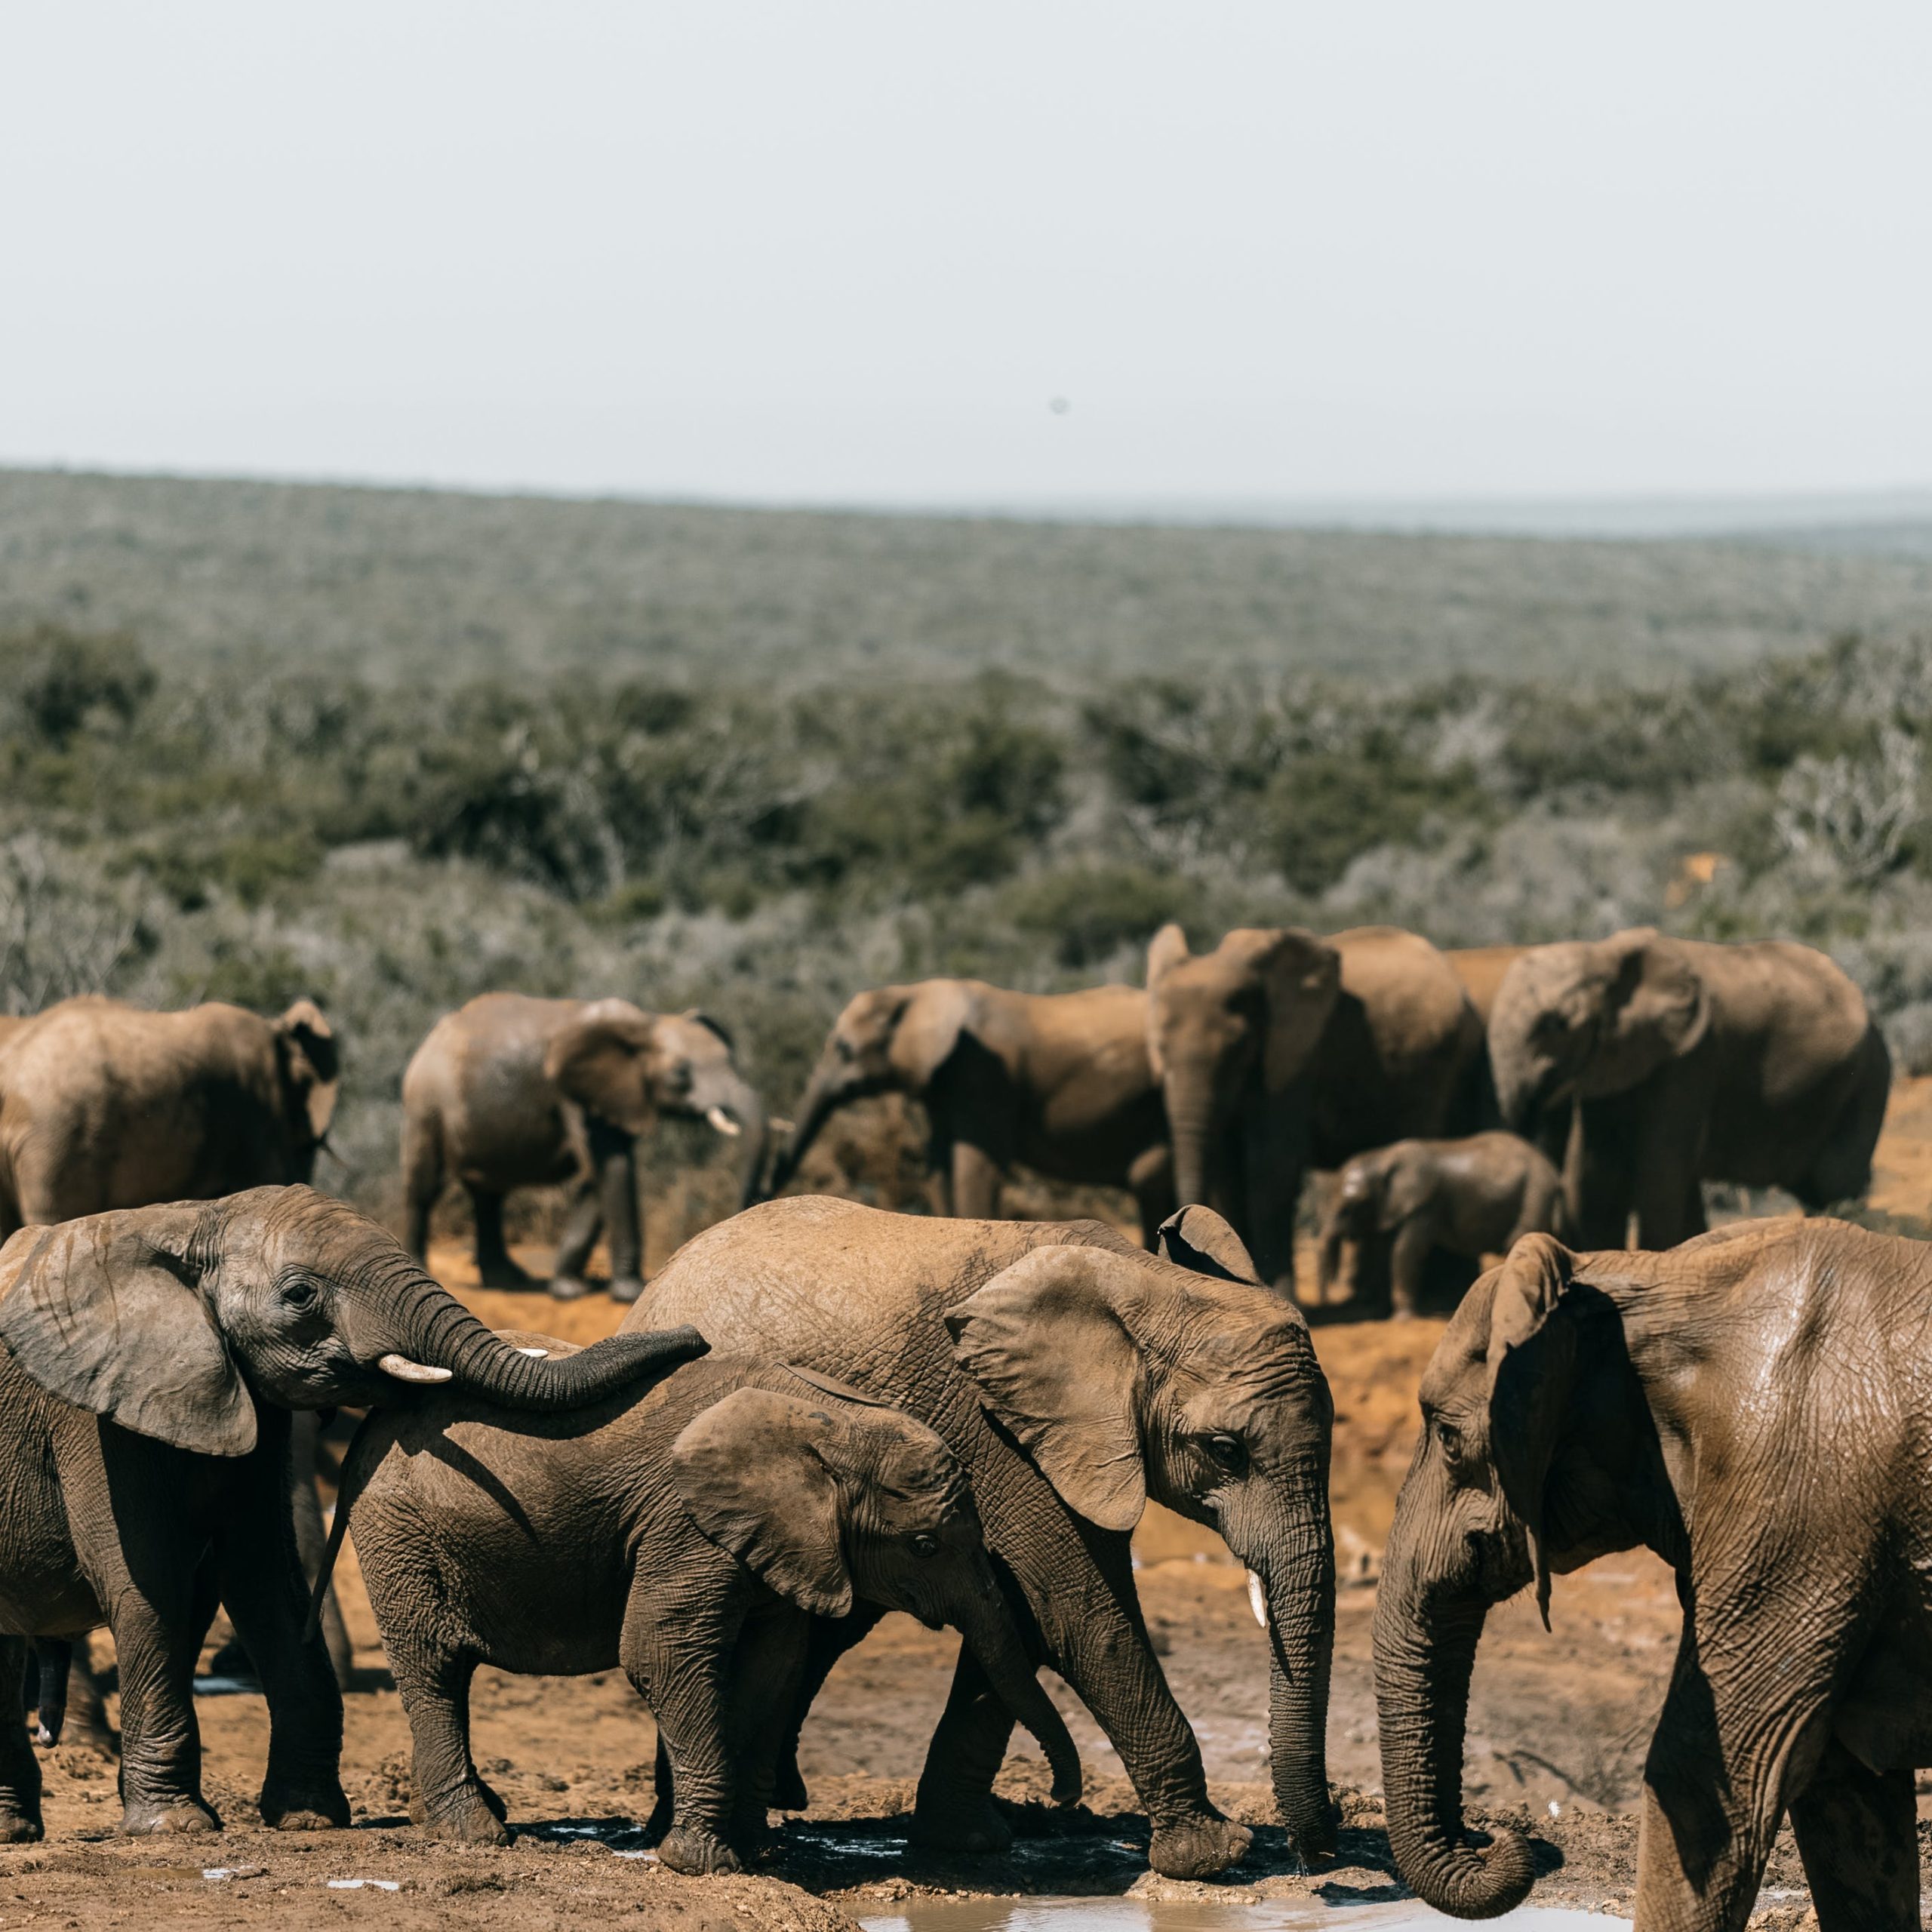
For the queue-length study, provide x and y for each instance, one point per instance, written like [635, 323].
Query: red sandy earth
[1561, 1718]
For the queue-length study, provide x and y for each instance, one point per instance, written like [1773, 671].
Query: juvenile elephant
[1056, 1082]
[151, 1356]
[1691, 1062]
[691, 1536]
[1753, 1406]
[1281, 1050]
[103, 1106]
[1399, 1204]
[510, 1091]
[1074, 1376]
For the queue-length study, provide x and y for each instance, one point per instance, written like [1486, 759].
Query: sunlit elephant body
[1753, 1406]
[151, 1358]
[1281, 1050]
[1468, 1197]
[689, 1535]
[1056, 1082]
[103, 1105]
[1074, 1376]
[1756, 1063]
[510, 1091]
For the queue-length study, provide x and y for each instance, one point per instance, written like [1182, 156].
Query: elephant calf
[1398, 1204]
[690, 1536]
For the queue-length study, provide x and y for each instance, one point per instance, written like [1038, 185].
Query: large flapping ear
[1532, 1374]
[752, 1473]
[1044, 1343]
[107, 1312]
[1656, 995]
[311, 1061]
[927, 1029]
[1199, 1240]
[1301, 975]
[1166, 951]
[598, 1059]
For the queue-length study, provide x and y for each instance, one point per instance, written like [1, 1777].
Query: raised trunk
[1423, 1659]
[989, 1632]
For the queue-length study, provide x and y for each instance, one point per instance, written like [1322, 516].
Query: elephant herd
[818, 1412]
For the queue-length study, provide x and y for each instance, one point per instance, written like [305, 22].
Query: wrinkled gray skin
[1754, 1407]
[510, 1092]
[1056, 1082]
[691, 1536]
[1074, 1376]
[1690, 1061]
[152, 1356]
[1279, 1051]
[1397, 1205]
[104, 1105]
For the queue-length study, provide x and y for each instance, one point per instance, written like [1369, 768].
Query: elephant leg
[1857, 1832]
[976, 1181]
[1273, 1166]
[304, 1437]
[422, 1182]
[766, 1673]
[156, 1644]
[664, 1795]
[493, 1265]
[19, 1769]
[615, 1157]
[1669, 1198]
[1151, 1179]
[829, 1639]
[955, 1810]
[452, 1801]
[582, 1226]
[1598, 1179]
[1408, 1260]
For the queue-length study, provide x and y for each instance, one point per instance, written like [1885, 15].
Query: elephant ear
[1657, 997]
[927, 1029]
[753, 1473]
[1300, 976]
[1045, 1345]
[1168, 948]
[698, 1017]
[107, 1312]
[1532, 1362]
[311, 1062]
[1199, 1240]
[597, 1058]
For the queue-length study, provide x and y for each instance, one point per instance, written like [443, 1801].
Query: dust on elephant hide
[1757, 1064]
[691, 1536]
[509, 1091]
[1751, 1406]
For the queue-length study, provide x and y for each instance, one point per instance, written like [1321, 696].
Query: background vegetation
[241, 767]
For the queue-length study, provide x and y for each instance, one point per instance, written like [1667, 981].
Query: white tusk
[778, 1124]
[723, 1122]
[1257, 1599]
[539, 1353]
[404, 1370]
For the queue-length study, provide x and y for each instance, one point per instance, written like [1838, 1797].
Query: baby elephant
[691, 1537]
[1401, 1203]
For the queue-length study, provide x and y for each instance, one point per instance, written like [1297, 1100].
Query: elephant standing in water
[1281, 1050]
[510, 1091]
[1754, 1407]
[151, 1358]
[1690, 1061]
[1074, 1376]
[1056, 1082]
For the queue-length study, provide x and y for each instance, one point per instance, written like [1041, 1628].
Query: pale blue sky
[834, 251]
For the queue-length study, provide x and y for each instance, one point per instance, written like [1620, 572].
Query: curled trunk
[990, 1632]
[1423, 1659]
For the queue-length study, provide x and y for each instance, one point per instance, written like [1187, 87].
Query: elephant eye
[924, 1545]
[1228, 1451]
[1450, 1438]
[299, 1291]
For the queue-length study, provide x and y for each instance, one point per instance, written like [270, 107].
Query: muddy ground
[1557, 1729]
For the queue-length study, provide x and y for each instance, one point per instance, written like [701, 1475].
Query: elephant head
[1124, 1377]
[624, 1066]
[892, 1040]
[308, 1073]
[168, 1320]
[828, 1499]
[1538, 1453]
[1588, 1018]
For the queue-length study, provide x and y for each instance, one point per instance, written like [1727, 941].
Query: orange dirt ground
[1557, 1729]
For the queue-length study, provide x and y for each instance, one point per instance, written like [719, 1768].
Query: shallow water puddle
[1199, 1916]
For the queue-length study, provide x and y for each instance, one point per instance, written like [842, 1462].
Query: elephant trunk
[1425, 1652]
[821, 1100]
[738, 1100]
[1191, 1127]
[994, 1639]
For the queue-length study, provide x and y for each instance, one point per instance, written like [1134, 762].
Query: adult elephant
[152, 1356]
[1690, 1061]
[1753, 1407]
[510, 1091]
[1281, 1050]
[1056, 1082]
[1074, 1376]
[104, 1105]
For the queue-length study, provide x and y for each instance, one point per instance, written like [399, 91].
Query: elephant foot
[502, 1272]
[626, 1288]
[181, 1815]
[323, 1807]
[1198, 1848]
[568, 1288]
[788, 1788]
[658, 1823]
[18, 1827]
[467, 1819]
[967, 1824]
[694, 1850]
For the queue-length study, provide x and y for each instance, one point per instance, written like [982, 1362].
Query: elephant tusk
[404, 1370]
[1257, 1599]
[779, 1124]
[723, 1122]
[539, 1353]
